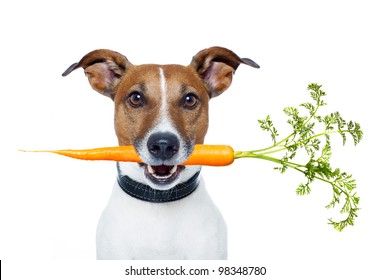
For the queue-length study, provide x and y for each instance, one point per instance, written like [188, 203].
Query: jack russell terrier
[160, 209]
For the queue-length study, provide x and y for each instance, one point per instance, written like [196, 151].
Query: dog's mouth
[162, 174]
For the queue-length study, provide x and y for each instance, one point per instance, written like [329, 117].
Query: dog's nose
[163, 145]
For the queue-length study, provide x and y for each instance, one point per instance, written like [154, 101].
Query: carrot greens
[316, 144]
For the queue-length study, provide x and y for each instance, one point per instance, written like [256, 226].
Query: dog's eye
[136, 99]
[190, 101]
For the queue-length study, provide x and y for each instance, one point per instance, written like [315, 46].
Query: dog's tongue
[162, 169]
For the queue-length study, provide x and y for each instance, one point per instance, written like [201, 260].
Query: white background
[50, 205]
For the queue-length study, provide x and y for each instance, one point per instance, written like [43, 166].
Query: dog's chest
[134, 229]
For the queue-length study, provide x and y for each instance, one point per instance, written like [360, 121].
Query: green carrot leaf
[311, 134]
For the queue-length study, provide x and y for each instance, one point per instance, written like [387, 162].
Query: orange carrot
[212, 155]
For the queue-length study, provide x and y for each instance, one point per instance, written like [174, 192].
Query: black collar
[146, 193]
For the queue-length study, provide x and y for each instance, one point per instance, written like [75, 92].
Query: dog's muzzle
[162, 148]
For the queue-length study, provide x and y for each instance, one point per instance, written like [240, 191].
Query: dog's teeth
[173, 170]
[151, 169]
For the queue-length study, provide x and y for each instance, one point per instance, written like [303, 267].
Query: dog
[160, 209]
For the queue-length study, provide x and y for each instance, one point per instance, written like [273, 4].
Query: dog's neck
[146, 193]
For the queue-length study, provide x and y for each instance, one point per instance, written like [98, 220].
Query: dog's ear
[104, 68]
[216, 67]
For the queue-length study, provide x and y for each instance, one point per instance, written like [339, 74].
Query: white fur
[190, 228]
[163, 85]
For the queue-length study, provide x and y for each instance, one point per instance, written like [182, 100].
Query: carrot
[212, 155]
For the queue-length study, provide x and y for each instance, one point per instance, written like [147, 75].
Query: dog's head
[161, 109]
